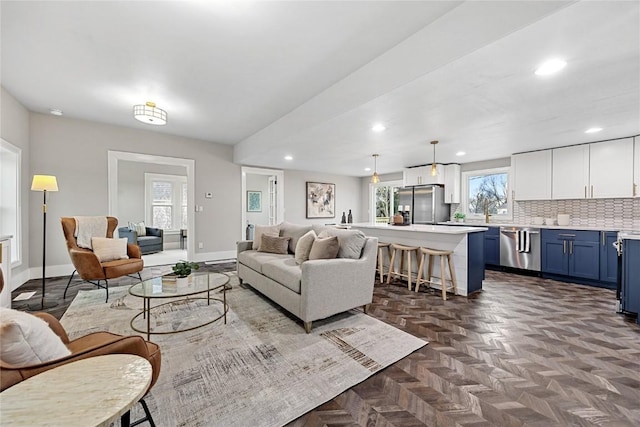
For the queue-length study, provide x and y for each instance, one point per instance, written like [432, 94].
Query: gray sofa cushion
[284, 271]
[274, 244]
[351, 241]
[255, 260]
[324, 248]
[294, 231]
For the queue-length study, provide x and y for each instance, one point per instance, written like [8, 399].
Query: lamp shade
[44, 183]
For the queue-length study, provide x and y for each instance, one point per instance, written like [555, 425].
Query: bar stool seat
[381, 246]
[432, 253]
[397, 248]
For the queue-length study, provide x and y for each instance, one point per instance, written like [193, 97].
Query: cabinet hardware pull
[602, 234]
[571, 247]
[567, 235]
[564, 246]
[592, 191]
[585, 191]
[635, 190]
[513, 194]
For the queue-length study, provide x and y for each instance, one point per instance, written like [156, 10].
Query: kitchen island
[467, 244]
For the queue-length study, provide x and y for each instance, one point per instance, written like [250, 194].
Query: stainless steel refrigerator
[427, 204]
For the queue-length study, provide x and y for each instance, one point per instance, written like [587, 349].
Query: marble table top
[93, 391]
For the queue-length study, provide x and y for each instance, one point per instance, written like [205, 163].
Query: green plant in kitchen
[459, 216]
[183, 268]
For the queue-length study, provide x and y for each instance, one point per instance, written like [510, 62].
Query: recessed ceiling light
[378, 127]
[460, 153]
[55, 112]
[288, 157]
[550, 67]
[367, 169]
[593, 130]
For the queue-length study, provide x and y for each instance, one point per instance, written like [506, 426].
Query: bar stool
[381, 246]
[432, 253]
[397, 248]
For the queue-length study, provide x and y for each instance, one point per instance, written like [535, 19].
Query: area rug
[260, 369]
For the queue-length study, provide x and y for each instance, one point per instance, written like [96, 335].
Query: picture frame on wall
[321, 200]
[254, 201]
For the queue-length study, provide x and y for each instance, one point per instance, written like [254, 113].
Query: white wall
[76, 152]
[257, 182]
[347, 196]
[14, 128]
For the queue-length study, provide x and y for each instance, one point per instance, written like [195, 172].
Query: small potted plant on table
[459, 216]
[183, 269]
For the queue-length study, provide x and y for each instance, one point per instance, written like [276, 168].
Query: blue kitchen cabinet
[554, 256]
[571, 253]
[492, 246]
[608, 257]
[584, 259]
[631, 276]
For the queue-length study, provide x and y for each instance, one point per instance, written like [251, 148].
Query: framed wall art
[321, 200]
[254, 201]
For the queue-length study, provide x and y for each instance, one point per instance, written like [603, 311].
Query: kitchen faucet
[486, 212]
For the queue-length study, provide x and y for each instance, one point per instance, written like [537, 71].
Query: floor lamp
[44, 183]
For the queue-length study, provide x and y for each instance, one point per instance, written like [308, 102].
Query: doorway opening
[262, 198]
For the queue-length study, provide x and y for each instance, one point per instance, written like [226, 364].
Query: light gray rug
[260, 369]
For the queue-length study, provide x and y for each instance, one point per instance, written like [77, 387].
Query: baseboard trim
[214, 256]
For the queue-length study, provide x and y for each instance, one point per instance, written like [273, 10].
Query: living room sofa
[316, 288]
[151, 242]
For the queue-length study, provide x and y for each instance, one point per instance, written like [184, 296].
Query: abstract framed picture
[254, 201]
[321, 200]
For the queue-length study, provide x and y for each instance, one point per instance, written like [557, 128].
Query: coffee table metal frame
[196, 286]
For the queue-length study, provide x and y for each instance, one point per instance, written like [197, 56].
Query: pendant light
[434, 168]
[375, 178]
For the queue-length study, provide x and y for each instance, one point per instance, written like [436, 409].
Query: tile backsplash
[609, 213]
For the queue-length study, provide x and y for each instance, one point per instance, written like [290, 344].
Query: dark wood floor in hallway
[523, 352]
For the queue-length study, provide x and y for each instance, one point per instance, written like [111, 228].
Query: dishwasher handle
[514, 232]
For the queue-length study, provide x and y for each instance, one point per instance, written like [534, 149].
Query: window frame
[372, 196]
[464, 201]
[16, 240]
[176, 204]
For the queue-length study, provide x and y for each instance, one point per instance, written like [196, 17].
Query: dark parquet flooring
[525, 351]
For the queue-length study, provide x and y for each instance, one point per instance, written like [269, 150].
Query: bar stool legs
[402, 250]
[431, 254]
[381, 246]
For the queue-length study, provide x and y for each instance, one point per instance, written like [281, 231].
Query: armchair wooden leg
[68, 283]
[307, 327]
[365, 308]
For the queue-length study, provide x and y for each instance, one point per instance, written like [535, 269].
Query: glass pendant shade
[434, 168]
[375, 178]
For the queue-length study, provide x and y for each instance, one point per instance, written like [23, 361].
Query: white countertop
[629, 235]
[511, 224]
[420, 228]
[5, 237]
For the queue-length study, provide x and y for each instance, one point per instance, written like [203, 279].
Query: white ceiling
[309, 79]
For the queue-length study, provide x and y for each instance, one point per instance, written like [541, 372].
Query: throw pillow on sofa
[260, 229]
[351, 241]
[28, 340]
[294, 231]
[274, 244]
[324, 248]
[303, 247]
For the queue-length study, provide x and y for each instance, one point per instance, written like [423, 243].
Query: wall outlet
[200, 245]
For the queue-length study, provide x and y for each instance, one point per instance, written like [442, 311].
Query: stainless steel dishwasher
[512, 256]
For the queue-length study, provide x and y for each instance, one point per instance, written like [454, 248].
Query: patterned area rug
[260, 369]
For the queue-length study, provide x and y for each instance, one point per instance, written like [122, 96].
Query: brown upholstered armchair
[94, 344]
[87, 264]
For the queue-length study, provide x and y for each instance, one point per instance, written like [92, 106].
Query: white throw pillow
[107, 249]
[28, 340]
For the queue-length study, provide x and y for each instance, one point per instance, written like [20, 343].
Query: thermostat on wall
[208, 195]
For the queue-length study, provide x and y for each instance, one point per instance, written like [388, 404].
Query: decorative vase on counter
[350, 217]
[344, 219]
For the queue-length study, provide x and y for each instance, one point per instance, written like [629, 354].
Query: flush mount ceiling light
[593, 130]
[150, 114]
[434, 168]
[375, 178]
[378, 127]
[460, 153]
[55, 111]
[288, 157]
[550, 67]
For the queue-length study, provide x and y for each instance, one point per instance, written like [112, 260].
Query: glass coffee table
[166, 287]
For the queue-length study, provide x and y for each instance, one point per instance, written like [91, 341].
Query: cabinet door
[611, 169]
[491, 250]
[427, 179]
[636, 167]
[410, 176]
[452, 184]
[570, 172]
[584, 259]
[608, 257]
[631, 276]
[532, 175]
[554, 259]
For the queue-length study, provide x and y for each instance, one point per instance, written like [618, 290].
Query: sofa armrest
[330, 286]
[87, 264]
[131, 235]
[157, 232]
[133, 251]
[244, 245]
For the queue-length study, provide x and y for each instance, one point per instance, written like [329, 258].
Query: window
[10, 208]
[486, 190]
[384, 197]
[166, 197]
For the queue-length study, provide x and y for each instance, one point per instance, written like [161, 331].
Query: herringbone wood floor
[523, 352]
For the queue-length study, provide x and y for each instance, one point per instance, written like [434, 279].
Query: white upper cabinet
[422, 175]
[636, 167]
[531, 175]
[571, 172]
[452, 183]
[611, 169]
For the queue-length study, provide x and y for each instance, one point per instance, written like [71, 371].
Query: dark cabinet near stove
[608, 257]
[631, 276]
[492, 246]
[571, 253]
